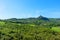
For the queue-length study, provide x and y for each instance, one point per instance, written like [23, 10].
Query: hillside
[40, 28]
[37, 21]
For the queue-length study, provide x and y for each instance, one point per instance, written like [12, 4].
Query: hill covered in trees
[40, 28]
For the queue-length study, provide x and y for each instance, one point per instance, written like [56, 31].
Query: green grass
[57, 29]
[2, 23]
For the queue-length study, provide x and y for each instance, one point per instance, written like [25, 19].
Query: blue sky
[29, 8]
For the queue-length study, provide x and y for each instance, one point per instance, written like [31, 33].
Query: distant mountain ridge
[39, 18]
[38, 21]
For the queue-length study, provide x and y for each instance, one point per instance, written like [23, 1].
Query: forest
[40, 28]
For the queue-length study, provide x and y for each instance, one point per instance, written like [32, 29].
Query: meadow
[30, 29]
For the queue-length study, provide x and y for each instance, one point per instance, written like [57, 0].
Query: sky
[29, 8]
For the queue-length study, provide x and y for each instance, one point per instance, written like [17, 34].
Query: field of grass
[2, 23]
[57, 29]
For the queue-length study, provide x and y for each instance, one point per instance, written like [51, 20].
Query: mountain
[37, 21]
[43, 18]
[31, 20]
[39, 18]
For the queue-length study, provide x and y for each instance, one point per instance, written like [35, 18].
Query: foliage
[30, 29]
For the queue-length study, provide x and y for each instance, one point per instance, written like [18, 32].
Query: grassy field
[57, 29]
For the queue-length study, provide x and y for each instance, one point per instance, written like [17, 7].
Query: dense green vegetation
[57, 29]
[40, 28]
